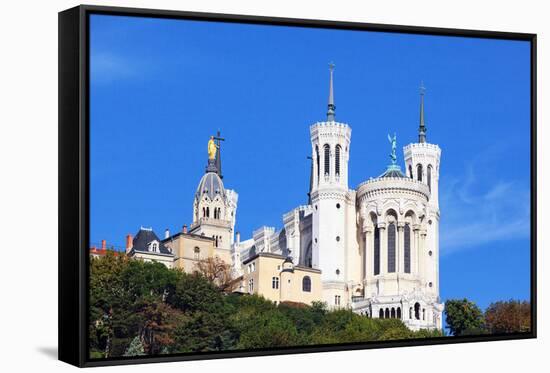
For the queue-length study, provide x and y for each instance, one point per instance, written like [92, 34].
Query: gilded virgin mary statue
[212, 148]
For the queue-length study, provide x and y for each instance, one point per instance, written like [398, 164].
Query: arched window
[411, 172]
[306, 284]
[318, 161]
[410, 313]
[387, 315]
[419, 172]
[381, 314]
[399, 313]
[392, 315]
[219, 212]
[337, 159]
[208, 212]
[391, 247]
[376, 251]
[197, 253]
[327, 159]
[417, 311]
[215, 213]
[423, 314]
[407, 244]
[203, 212]
[429, 177]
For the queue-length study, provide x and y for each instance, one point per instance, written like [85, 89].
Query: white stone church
[374, 248]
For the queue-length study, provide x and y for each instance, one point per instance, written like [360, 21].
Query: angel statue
[212, 148]
[393, 142]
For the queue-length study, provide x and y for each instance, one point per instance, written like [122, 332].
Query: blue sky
[160, 88]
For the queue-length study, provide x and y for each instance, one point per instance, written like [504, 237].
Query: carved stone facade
[376, 246]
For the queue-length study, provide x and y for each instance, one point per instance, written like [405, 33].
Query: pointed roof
[331, 113]
[422, 126]
[143, 239]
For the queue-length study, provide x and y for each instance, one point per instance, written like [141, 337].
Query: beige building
[189, 249]
[276, 278]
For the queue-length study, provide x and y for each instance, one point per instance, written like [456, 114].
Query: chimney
[238, 237]
[184, 228]
[103, 245]
[166, 233]
[129, 243]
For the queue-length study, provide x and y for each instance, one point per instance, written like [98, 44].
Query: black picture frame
[74, 180]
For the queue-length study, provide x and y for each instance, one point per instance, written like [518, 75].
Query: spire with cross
[422, 126]
[331, 113]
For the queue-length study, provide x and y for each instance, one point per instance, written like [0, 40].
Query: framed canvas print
[233, 186]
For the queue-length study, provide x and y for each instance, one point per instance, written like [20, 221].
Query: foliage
[139, 307]
[135, 348]
[508, 317]
[216, 271]
[463, 316]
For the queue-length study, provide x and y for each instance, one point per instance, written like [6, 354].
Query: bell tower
[330, 142]
[422, 161]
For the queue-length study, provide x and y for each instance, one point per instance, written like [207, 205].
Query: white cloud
[473, 216]
[107, 67]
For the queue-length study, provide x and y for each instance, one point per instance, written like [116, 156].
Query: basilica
[372, 248]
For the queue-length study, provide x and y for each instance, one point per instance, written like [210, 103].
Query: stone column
[400, 252]
[369, 250]
[383, 248]
[422, 256]
[415, 249]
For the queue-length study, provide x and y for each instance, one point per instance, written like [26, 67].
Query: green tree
[135, 348]
[512, 316]
[464, 317]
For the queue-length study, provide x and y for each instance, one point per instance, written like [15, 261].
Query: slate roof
[144, 237]
[393, 171]
[211, 184]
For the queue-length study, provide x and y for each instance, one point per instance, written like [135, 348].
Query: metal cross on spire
[422, 126]
[331, 107]
[218, 140]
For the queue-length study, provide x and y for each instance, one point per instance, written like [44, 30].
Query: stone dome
[211, 185]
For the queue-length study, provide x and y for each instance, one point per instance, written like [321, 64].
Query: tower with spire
[214, 206]
[330, 199]
[422, 160]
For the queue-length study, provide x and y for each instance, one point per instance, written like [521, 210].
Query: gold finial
[212, 148]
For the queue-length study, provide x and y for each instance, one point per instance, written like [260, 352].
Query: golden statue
[212, 148]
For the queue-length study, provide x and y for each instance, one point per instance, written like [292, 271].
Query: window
[337, 160]
[306, 284]
[423, 314]
[208, 212]
[197, 253]
[381, 314]
[318, 162]
[376, 251]
[275, 282]
[392, 314]
[407, 243]
[251, 285]
[215, 213]
[327, 159]
[399, 313]
[387, 315]
[419, 172]
[410, 313]
[337, 238]
[417, 311]
[337, 300]
[391, 247]
[203, 212]
[429, 177]
[411, 172]
[155, 247]
[253, 266]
